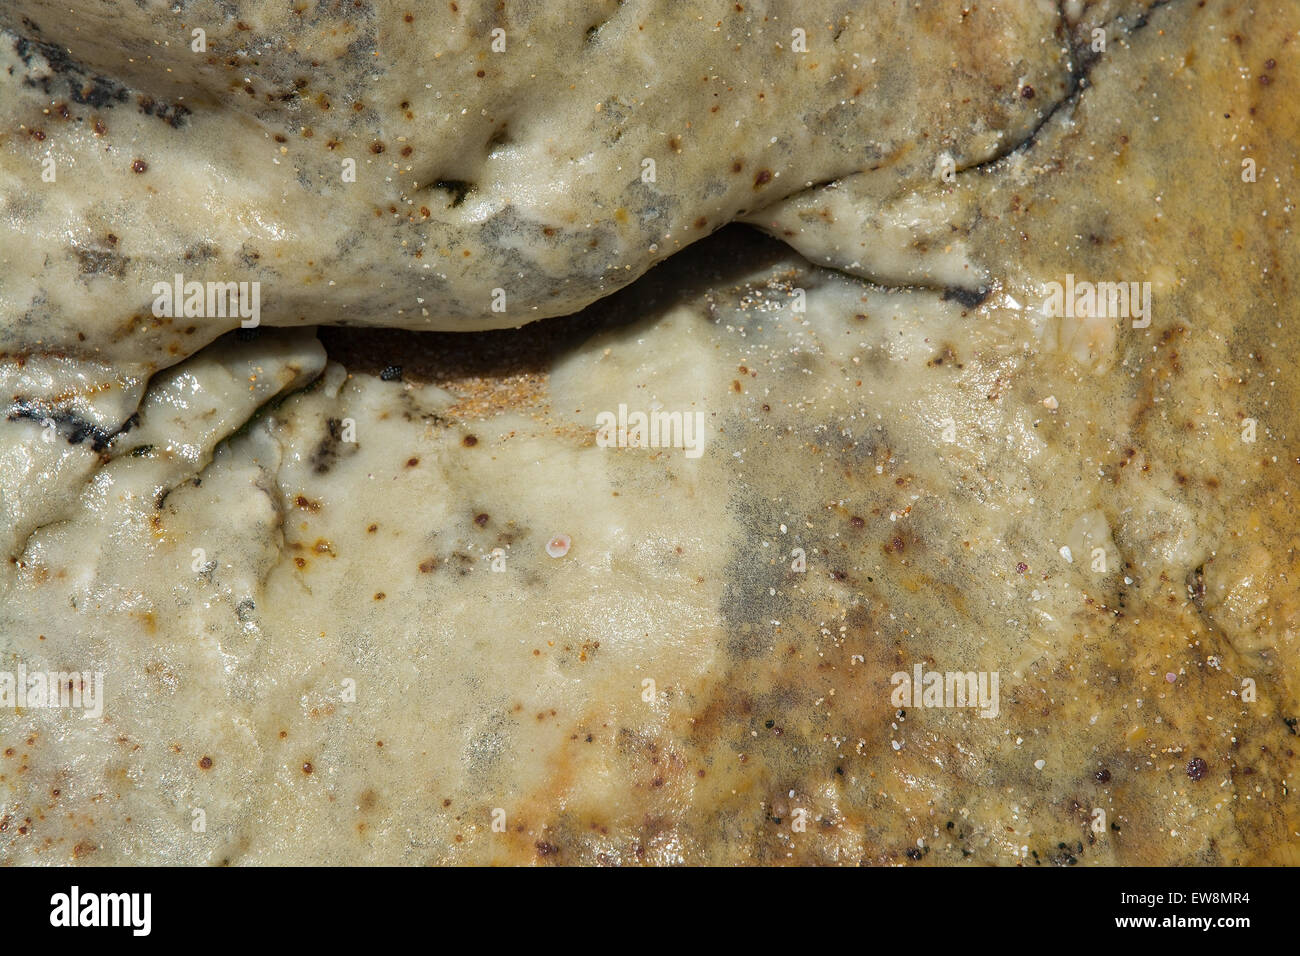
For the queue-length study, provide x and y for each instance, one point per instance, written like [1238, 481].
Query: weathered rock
[500, 176]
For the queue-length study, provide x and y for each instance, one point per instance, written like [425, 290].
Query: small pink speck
[1171, 677]
[559, 545]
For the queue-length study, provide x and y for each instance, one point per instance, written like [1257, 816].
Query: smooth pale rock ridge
[511, 162]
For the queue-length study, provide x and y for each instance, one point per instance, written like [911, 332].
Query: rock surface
[601, 139]
[322, 587]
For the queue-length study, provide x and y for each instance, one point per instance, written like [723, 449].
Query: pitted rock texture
[550, 151]
[318, 585]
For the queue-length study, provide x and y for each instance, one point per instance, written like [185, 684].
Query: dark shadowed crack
[1083, 58]
[76, 428]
